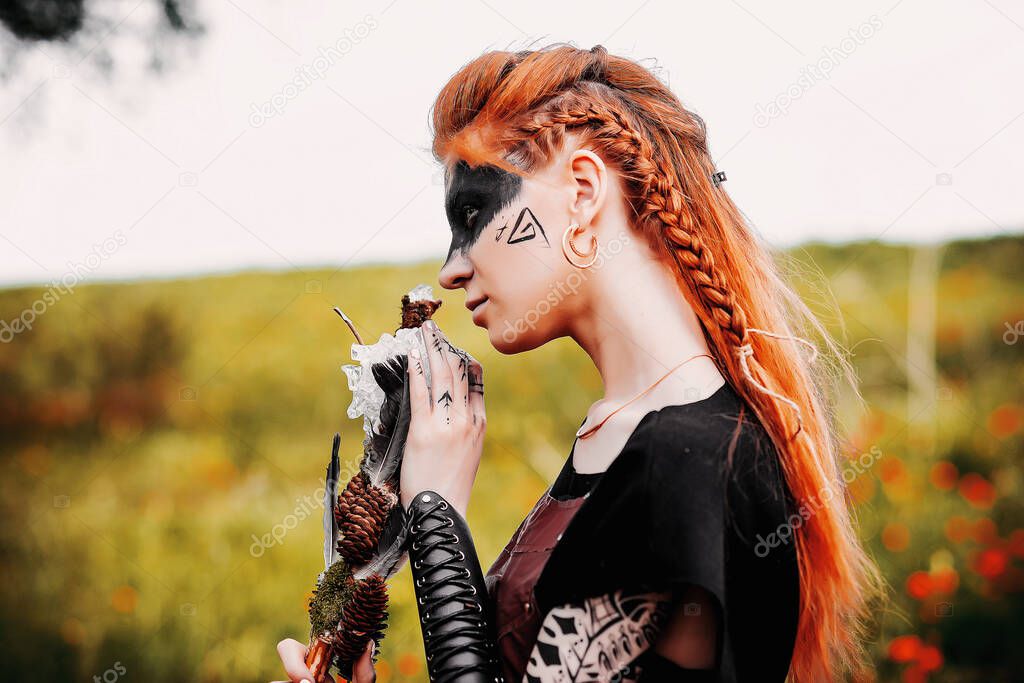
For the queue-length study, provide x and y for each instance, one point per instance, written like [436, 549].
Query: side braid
[657, 196]
[514, 110]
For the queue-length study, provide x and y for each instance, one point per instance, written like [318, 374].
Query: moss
[330, 597]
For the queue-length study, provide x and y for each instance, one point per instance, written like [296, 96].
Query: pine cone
[365, 617]
[361, 512]
[415, 313]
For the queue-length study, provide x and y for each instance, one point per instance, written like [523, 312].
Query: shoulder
[709, 439]
[714, 461]
[669, 500]
[713, 446]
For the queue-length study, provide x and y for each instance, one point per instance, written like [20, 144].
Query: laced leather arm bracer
[455, 612]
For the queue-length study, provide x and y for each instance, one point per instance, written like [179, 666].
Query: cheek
[516, 245]
[518, 266]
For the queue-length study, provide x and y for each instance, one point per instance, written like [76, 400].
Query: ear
[590, 185]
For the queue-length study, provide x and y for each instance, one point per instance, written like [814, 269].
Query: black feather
[382, 463]
[330, 496]
[382, 458]
[391, 550]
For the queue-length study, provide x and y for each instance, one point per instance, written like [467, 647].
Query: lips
[475, 302]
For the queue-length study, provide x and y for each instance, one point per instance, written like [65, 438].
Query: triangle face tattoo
[526, 228]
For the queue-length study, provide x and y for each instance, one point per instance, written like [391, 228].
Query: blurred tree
[86, 28]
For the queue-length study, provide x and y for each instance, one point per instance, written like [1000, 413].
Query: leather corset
[511, 579]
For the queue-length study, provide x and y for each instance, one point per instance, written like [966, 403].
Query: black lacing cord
[440, 645]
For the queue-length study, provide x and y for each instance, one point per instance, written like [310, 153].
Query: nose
[456, 271]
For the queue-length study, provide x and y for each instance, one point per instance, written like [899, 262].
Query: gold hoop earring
[567, 244]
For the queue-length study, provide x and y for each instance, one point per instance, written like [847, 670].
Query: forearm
[455, 615]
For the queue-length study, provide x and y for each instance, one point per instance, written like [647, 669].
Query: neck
[636, 326]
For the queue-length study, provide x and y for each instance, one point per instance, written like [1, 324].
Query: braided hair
[515, 110]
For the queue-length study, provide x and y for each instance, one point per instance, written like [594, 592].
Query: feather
[391, 550]
[366, 524]
[383, 460]
[330, 495]
[382, 457]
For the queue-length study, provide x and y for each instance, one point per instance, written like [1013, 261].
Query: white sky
[343, 175]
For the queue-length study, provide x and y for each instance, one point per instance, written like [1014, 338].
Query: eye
[469, 214]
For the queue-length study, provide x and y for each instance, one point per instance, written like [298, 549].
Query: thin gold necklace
[580, 433]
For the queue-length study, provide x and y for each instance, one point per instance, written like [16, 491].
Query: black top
[571, 484]
[674, 509]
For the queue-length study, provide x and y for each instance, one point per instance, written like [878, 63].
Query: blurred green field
[154, 435]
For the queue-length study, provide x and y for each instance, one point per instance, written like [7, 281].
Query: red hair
[514, 109]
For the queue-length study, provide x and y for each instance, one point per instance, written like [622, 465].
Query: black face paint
[474, 197]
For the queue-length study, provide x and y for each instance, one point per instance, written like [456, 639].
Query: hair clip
[718, 178]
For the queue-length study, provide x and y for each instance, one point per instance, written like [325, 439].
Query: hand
[293, 656]
[446, 430]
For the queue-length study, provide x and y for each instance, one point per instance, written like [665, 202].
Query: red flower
[930, 658]
[919, 585]
[977, 491]
[990, 563]
[958, 529]
[904, 648]
[891, 469]
[985, 531]
[895, 537]
[943, 475]
[1005, 420]
[945, 581]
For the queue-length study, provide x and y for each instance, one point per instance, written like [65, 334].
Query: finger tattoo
[437, 342]
[446, 401]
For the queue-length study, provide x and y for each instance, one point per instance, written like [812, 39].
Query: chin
[509, 339]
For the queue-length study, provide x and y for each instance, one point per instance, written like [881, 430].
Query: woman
[698, 530]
